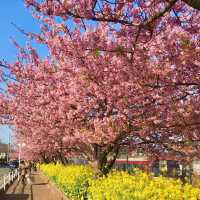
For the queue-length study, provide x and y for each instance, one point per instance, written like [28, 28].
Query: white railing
[8, 179]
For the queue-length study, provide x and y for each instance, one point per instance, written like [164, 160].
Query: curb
[61, 195]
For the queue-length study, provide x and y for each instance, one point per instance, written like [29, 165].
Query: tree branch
[193, 3]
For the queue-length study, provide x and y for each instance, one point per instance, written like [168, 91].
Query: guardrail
[8, 179]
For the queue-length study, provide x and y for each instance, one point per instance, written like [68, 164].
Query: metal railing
[8, 179]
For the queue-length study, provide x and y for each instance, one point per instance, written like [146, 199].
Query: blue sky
[14, 11]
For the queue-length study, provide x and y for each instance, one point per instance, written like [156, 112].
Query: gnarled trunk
[101, 164]
[96, 169]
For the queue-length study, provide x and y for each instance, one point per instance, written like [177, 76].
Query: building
[167, 165]
[4, 148]
[133, 159]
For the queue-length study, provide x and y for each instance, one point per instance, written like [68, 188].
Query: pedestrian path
[39, 189]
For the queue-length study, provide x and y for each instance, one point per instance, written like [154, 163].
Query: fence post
[4, 183]
[18, 174]
[9, 178]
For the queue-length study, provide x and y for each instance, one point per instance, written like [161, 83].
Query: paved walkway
[39, 189]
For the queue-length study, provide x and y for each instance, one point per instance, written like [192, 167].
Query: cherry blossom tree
[119, 73]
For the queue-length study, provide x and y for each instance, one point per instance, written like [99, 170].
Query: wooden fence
[7, 179]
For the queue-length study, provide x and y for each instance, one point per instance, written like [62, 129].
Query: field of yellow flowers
[77, 182]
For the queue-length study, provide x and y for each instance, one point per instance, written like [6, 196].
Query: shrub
[71, 179]
[140, 186]
[77, 182]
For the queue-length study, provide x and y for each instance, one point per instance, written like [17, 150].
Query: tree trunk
[62, 159]
[45, 159]
[100, 164]
[96, 169]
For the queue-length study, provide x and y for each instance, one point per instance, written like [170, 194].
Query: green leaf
[96, 52]
[120, 50]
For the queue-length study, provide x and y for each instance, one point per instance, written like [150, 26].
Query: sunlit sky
[14, 11]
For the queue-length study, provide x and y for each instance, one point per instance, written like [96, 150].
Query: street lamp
[19, 156]
[8, 153]
[20, 147]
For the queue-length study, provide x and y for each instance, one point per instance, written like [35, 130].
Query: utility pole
[9, 150]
